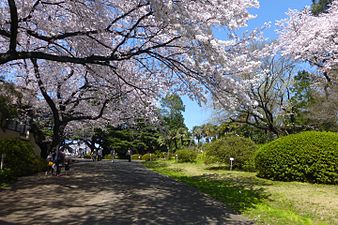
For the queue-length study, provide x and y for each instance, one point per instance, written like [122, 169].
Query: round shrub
[20, 157]
[149, 157]
[161, 155]
[186, 155]
[108, 156]
[240, 148]
[309, 157]
[136, 157]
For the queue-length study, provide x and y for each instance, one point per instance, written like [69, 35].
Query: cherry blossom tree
[102, 60]
[76, 98]
[172, 39]
[311, 38]
[263, 104]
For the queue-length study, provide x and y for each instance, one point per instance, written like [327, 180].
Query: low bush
[201, 157]
[240, 148]
[136, 157]
[6, 175]
[186, 155]
[161, 155]
[87, 156]
[20, 157]
[149, 157]
[170, 156]
[309, 157]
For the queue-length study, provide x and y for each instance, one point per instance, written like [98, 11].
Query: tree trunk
[58, 135]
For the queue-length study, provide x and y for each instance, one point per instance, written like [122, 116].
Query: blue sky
[270, 10]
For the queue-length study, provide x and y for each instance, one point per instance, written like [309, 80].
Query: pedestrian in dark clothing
[67, 165]
[129, 154]
[113, 153]
[59, 160]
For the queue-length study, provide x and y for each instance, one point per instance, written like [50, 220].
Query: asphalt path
[109, 193]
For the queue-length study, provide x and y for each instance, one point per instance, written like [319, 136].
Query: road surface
[109, 193]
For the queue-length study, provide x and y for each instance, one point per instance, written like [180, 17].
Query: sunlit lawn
[264, 201]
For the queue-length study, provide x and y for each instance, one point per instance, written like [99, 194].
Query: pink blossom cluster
[311, 38]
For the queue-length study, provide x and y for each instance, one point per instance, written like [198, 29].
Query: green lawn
[264, 201]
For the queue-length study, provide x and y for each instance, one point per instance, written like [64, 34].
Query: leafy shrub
[6, 175]
[309, 156]
[186, 155]
[201, 157]
[135, 156]
[170, 156]
[240, 148]
[87, 156]
[20, 157]
[161, 155]
[149, 157]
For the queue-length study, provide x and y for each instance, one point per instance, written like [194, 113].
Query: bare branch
[14, 25]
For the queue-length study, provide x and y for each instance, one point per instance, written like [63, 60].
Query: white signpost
[2, 160]
[231, 159]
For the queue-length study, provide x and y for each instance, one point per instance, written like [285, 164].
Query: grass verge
[264, 201]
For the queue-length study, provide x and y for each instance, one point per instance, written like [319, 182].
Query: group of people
[56, 161]
[97, 156]
[129, 153]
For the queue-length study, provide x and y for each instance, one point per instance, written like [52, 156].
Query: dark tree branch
[130, 31]
[93, 59]
[5, 33]
[43, 91]
[14, 25]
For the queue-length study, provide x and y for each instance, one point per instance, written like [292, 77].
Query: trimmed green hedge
[20, 157]
[136, 157]
[186, 155]
[240, 148]
[308, 157]
[147, 157]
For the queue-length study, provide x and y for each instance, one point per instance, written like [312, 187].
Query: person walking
[67, 165]
[59, 161]
[99, 154]
[50, 164]
[112, 152]
[129, 154]
[93, 156]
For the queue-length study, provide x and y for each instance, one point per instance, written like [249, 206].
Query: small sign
[231, 159]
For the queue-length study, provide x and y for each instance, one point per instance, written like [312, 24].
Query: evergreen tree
[320, 6]
[173, 120]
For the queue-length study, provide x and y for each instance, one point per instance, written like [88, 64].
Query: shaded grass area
[237, 194]
[264, 201]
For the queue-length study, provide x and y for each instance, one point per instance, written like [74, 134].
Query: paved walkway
[109, 193]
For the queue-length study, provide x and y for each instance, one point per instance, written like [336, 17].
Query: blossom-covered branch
[312, 38]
